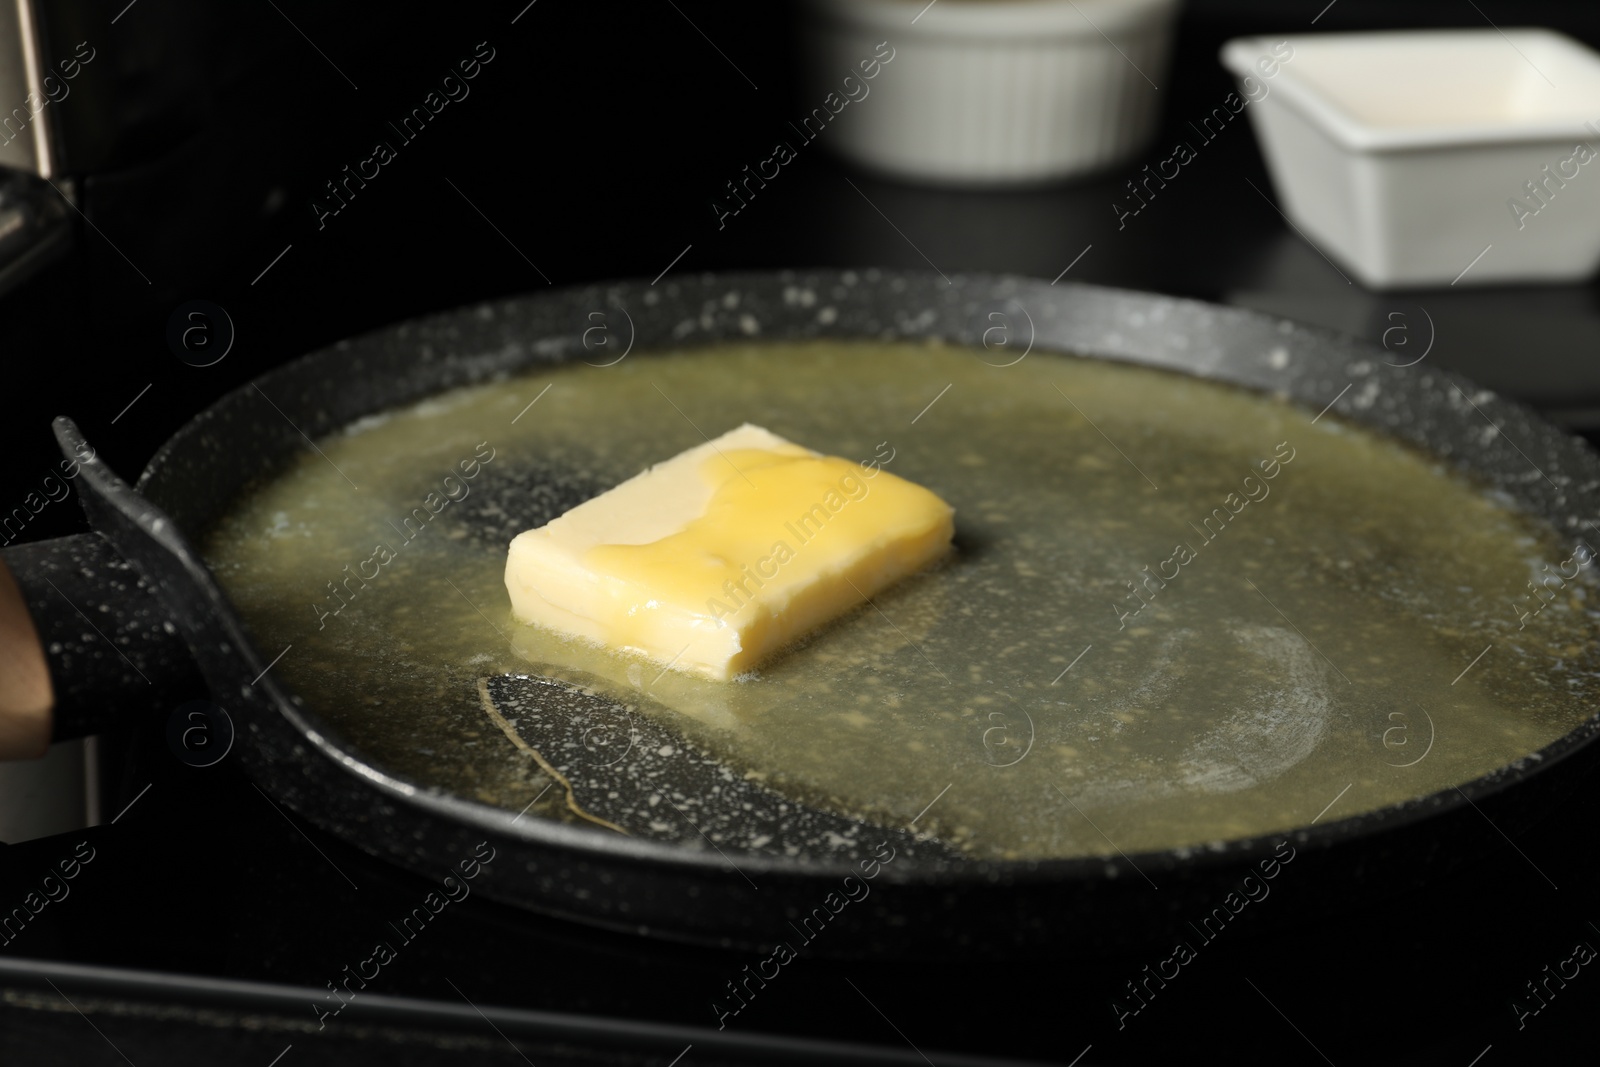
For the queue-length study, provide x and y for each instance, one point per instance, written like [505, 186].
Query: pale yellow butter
[720, 556]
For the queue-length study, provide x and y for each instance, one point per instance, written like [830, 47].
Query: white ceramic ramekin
[1445, 157]
[990, 92]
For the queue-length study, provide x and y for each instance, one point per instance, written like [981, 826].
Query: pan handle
[84, 643]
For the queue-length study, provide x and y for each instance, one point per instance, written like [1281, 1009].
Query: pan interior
[1143, 642]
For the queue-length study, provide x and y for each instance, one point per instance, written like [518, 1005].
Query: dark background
[591, 146]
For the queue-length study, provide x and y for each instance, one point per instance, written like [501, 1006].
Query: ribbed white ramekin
[991, 91]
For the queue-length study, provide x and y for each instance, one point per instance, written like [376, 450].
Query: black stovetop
[595, 142]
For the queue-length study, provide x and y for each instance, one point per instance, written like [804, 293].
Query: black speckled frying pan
[928, 900]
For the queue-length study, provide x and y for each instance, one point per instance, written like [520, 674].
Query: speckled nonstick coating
[918, 907]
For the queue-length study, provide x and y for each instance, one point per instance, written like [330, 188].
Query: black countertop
[591, 148]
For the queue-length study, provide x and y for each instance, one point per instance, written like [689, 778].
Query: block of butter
[722, 555]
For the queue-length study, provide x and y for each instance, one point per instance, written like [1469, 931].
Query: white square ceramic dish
[1437, 157]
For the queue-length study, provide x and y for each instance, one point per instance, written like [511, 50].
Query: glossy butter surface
[714, 560]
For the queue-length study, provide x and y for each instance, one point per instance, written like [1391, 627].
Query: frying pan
[927, 902]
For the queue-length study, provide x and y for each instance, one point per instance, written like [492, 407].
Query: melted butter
[1313, 652]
